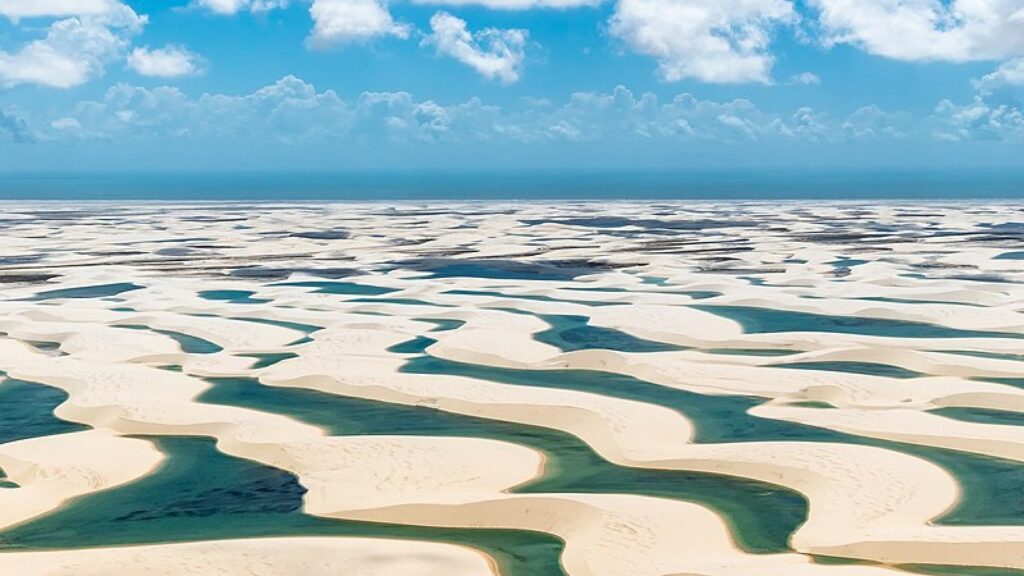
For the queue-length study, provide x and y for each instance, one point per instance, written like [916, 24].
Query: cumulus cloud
[872, 123]
[292, 111]
[73, 51]
[995, 113]
[725, 41]
[496, 54]
[953, 30]
[289, 110]
[166, 62]
[1008, 74]
[15, 127]
[514, 4]
[342, 21]
[17, 9]
[590, 116]
[235, 6]
[403, 119]
[978, 120]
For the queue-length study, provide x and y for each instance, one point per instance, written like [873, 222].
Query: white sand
[865, 503]
[262, 557]
[51, 470]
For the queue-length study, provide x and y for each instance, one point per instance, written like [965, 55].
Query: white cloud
[956, 30]
[287, 111]
[723, 41]
[1008, 74]
[74, 50]
[806, 79]
[235, 6]
[514, 4]
[341, 21]
[590, 117]
[292, 111]
[873, 124]
[978, 120]
[402, 119]
[16, 9]
[495, 54]
[167, 62]
[995, 113]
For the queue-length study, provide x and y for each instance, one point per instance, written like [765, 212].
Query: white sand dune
[101, 396]
[260, 557]
[51, 470]
[865, 502]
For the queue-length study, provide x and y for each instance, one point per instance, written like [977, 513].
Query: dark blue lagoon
[96, 291]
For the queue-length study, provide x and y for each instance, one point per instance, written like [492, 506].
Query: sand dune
[51, 470]
[263, 557]
[895, 321]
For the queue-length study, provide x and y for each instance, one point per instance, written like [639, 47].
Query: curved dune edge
[628, 535]
[488, 338]
[50, 470]
[873, 399]
[853, 490]
[677, 323]
[465, 491]
[130, 399]
[258, 557]
[689, 465]
[432, 481]
[849, 499]
[909, 426]
[92, 341]
[845, 390]
[90, 329]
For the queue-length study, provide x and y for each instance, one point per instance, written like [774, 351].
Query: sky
[325, 85]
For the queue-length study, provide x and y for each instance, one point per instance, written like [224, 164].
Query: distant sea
[593, 185]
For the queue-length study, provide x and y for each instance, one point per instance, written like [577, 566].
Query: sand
[880, 504]
[263, 557]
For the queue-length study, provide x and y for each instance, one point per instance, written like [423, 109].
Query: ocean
[394, 185]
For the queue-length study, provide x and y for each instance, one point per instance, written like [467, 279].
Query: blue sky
[455, 84]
